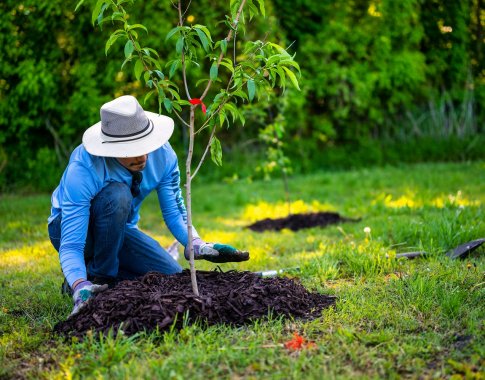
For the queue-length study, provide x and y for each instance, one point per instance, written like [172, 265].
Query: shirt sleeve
[172, 203]
[80, 188]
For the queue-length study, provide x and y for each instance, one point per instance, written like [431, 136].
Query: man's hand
[215, 252]
[83, 291]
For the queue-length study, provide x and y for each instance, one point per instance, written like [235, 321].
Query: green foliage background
[382, 82]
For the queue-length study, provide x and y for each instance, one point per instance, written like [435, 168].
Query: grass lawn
[394, 318]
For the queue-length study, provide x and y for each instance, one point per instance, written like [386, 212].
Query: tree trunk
[188, 197]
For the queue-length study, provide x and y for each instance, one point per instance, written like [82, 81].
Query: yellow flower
[190, 19]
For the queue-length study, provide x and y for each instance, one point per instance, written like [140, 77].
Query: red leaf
[296, 343]
[299, 343]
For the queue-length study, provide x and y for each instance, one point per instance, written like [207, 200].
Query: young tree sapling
[265, 65]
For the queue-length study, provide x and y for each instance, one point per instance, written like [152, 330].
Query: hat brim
[162, 130]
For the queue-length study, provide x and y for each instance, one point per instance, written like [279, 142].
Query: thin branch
[3, 159]
[181, 22]
[58, 141]
[181, 119]
[228, 38]
[187, 9]
[204, 126]
[234, 50]
[205, 152]
[290, 45]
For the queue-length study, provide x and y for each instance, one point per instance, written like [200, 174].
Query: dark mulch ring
[299, 221]
[160, 301]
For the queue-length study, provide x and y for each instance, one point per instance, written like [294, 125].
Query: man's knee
[175, 268]
[115, 198]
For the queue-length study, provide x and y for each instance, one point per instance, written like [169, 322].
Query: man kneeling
[95, 208]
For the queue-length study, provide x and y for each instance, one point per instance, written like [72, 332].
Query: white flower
[367, 230]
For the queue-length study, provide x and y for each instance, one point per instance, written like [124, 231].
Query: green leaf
[172, 32]
[218, 98]
[176, 106]
[154, 61]
[214, 71]
[78, 5]
[168, 105]
[222, 118]
[147, 96]
[252, 10]
[125, 62]
[279, 49]
[129, 47]
[138, 68]
[228, 65]
[173, 68]
[288, 62]
[112, 39]
[174, 93]
[282, 75]
[100, 18]
[292, 77]
[169, 83]
[233, 110]
[138, 26]
[224, 46]
[273, 75]
[97, 10]
[241, 117]
[261, 7]
[273, 59]
[201, 81]
[160, 74]
[251, 89]
[117, 16]
[241, 94]
[205, 30]
[203, 39]
[180, 45]
[147, 51]
[216, 151]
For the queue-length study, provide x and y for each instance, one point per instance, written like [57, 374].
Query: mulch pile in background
[157, 300]
[299, 221]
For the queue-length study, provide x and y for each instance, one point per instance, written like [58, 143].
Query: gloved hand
[215, 252]
[83, 291]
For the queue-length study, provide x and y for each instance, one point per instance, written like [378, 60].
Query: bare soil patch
[297, 222]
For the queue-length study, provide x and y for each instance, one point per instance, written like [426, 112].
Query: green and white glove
[83, 291]
[216, 252]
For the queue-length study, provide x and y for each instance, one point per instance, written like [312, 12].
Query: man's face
[135, 164]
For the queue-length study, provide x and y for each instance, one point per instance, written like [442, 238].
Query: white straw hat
[126, 130]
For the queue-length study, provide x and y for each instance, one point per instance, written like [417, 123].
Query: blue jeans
[114, 251]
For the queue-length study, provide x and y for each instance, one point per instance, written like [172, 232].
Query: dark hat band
[126, 135]
[139, 135]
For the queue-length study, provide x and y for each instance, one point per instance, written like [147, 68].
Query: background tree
[381, 79]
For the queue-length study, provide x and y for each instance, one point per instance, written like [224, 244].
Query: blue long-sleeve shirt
[86, 175]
